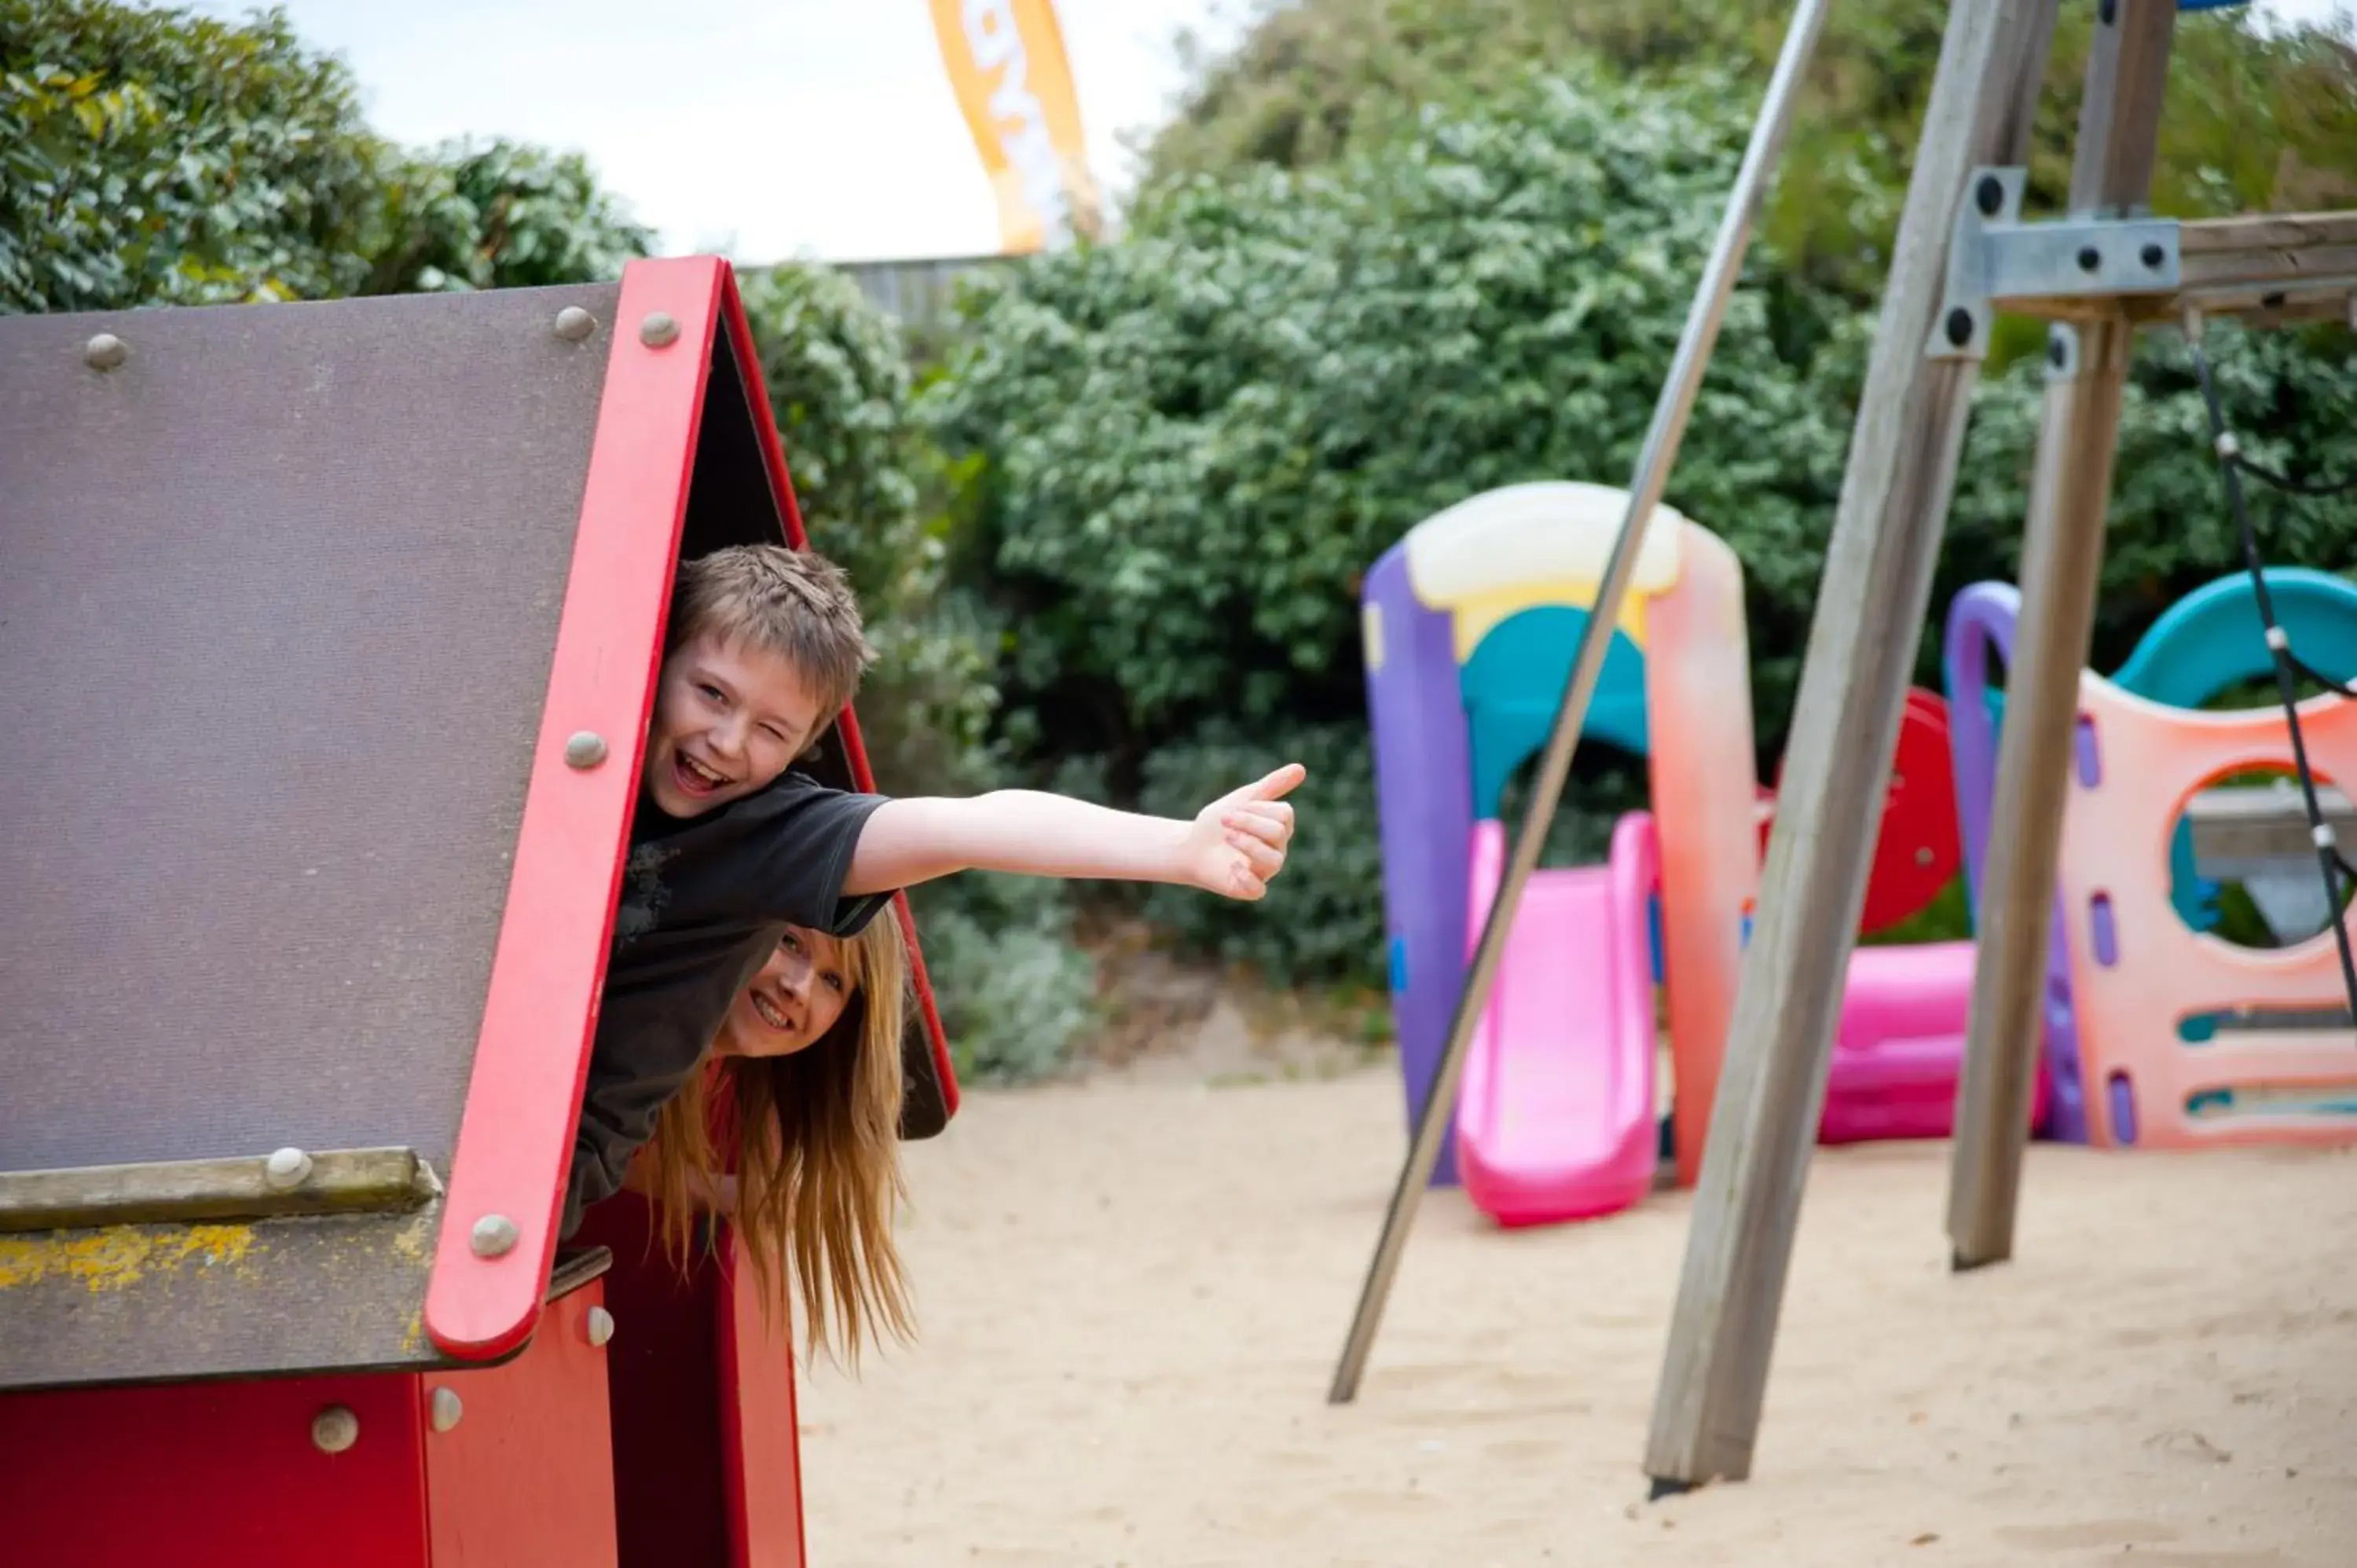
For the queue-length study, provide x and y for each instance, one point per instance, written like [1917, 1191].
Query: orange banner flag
[1006, 62]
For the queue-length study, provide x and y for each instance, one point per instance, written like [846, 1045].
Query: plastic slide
[1554, 1114]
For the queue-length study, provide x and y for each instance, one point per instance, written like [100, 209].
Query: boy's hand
[1236, 845]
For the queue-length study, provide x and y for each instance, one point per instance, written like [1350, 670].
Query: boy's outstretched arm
[1232, 847]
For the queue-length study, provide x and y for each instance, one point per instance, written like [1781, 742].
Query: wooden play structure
[1963, 254]
[329, 634]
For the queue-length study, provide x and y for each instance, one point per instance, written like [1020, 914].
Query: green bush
[1323, 918]
[2257, 117]
[502, 215]
[1198, 440]
[153, 156]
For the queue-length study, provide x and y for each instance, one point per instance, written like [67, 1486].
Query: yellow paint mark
[415, 1240]
[120, 1256]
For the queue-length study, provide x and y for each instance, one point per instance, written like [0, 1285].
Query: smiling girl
[804, 1083]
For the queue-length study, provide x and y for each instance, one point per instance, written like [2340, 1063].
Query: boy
[765, 648]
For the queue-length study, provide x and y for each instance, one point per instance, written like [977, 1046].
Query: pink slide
[1555, 1116]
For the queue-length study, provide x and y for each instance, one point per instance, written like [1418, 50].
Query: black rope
[2287, 669]
[2290, 485]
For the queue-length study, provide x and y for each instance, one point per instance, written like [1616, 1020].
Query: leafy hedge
[1192, 443]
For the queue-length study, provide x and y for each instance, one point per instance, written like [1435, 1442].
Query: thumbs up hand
[1236, 846]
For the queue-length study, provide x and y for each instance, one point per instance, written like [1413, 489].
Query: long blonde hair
[818, 1157]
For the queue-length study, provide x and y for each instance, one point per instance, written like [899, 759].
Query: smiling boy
[728, 845]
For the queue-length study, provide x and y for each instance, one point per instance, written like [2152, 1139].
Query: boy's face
[728, 720]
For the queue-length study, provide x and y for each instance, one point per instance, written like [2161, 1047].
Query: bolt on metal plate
[574, 324]
[494, 1235]
[658, 330]
[105, 351]
[335, 1429]
[286, 1169]
[586, 748]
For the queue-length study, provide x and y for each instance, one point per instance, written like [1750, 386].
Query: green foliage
[156, 156]
[2257, 119]
[1015, 994]
[1317, 921]
[1198, 440]
[1192, 443]
[504, 215]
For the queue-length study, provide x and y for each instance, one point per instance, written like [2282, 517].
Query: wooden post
[1873, 597]
[2061, 563]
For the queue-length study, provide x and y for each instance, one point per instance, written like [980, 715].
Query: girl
[804, 1083]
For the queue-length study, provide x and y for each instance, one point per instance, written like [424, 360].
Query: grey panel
[278, 596]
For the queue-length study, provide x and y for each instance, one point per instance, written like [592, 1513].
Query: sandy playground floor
[1132, 1292]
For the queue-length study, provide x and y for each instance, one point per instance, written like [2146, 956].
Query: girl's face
[794, 1001]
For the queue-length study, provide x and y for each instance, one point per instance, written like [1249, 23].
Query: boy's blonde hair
[794, 604]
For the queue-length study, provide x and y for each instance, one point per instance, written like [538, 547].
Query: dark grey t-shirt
[704, 901]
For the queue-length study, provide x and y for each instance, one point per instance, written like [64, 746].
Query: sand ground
[1133, 1290]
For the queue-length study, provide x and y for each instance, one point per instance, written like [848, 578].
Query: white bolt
[494, 1235]
[286, 1169]
[2278, 638]
[335, 1429]
[443, 1408]
[574, 324]
[105, 351]
[586, 748]
[658, 331]
[2228, 447]
[599, 1325]
[2322, 832]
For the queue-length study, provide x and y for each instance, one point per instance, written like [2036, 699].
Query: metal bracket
[1997, 262]
[332, 1181]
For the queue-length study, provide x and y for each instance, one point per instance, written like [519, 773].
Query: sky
[764, 130]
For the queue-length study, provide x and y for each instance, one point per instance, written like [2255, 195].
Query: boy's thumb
[1279, 784]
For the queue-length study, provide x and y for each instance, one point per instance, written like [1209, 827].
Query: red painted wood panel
[212, 1476]
[525, 1479]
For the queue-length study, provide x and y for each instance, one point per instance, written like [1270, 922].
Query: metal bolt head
[1988, 195]
[105, 351]
[658, 329]
[2152, 256]
[2107, 12]
[599, 1325]
[586, 748]
[2058, 349]
[286, 1169]
[442, 1409]
[574, 324]
[2090, 257]
[335, 1429]
[494, 1235]
[1960, 326]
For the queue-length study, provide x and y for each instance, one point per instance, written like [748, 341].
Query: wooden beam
[335, 1181]
[1872, 601]
[2264, 823]
[2062, 565]
[2267, 269]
